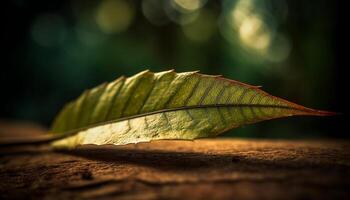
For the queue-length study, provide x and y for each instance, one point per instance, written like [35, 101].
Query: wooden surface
[201, 169]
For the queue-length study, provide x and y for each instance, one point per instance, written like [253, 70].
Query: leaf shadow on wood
[187, 161]
[23, 150]
[153, 158]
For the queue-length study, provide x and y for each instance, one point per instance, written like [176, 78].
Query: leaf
[166, 105]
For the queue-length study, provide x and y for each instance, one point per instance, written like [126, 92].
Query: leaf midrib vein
[72, 132]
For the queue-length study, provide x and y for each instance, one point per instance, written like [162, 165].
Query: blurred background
[56, 49]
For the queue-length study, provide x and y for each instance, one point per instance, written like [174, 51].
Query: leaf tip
[325, 113]
[315, 112]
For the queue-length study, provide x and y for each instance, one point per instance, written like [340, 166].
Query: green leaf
[166, 105]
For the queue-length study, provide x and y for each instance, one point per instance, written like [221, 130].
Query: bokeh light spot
[254, 34]
[188, 5]
[177, 16]
[114, 16]
[252, 26]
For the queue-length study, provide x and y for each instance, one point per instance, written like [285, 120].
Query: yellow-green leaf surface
[166, 105]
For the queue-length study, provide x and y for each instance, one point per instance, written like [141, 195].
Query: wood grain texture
[201, 169]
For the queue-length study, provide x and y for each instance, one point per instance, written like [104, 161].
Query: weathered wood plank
[201, 169]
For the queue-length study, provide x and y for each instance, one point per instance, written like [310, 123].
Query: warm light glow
[249, 27]
[249, 24]
[188, 5]
[175, 15]
[242, 10]
[253, 33]
[114, 16]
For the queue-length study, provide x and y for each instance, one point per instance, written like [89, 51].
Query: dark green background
[56, 49]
